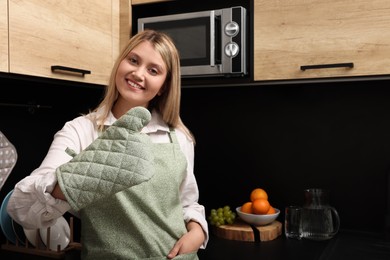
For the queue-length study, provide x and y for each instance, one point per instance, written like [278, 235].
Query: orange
[260, 206]
[247, 207]
[271, 210]
[258, 193]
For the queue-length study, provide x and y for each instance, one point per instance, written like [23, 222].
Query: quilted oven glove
[118, 159]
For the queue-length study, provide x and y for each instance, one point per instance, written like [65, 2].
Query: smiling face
[139, 78]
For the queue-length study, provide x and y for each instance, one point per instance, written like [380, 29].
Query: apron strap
[172, 135]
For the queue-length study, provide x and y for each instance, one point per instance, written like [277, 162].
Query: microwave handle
[212, 38]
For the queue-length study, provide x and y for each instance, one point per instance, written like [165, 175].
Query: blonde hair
[168, 103]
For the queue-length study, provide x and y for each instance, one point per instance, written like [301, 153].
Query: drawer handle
[327, 66]
[56, 68]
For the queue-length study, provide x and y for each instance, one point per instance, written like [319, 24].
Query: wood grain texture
[290, 34]
[242, 231]
[75, 34]
[4, 36]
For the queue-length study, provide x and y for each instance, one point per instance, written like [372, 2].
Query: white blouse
[32, 205]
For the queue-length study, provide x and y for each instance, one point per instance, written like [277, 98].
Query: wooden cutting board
[242, 231]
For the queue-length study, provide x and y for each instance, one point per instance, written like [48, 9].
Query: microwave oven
[210, 43]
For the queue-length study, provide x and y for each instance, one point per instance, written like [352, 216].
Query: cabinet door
[71, 34]
[3, 36]
[294, 33]
[138, 2]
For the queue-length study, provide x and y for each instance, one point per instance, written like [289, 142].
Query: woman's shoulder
[78, 132]
[87, 120]
[182, 134]
[183, 138]
[83, 125]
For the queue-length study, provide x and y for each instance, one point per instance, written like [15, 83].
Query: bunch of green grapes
[221, 216]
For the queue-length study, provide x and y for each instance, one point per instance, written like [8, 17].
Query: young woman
[129, 224]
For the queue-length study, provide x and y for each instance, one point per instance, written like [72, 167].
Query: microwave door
[210, 66]
[194, 35]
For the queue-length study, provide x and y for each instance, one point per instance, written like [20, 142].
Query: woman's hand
[190, 242]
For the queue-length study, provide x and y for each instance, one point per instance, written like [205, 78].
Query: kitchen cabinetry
[137, 2]
[3, 36]
[69, 40]
[351, 36]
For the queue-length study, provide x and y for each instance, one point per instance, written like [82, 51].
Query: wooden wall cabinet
[74, 34]
[291, 34]
[138, 2]
[3, 36]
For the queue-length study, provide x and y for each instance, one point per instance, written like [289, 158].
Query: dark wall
[284, 138]
[288, 138]
[31, 128]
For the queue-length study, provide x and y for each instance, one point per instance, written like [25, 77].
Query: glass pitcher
[320, 221]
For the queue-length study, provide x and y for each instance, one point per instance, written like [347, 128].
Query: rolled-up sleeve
[31, 203]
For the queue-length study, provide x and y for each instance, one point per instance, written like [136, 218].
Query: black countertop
[280, 248]
[345, 245]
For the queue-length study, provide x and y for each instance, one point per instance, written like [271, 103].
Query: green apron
[141, 222]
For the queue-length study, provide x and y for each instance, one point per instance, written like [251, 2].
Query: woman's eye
[133, 60]
[153, 71]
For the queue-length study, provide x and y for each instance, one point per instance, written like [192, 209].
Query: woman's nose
[138, 74]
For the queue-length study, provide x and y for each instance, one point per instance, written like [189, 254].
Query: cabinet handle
[55, 68]
[326, 66]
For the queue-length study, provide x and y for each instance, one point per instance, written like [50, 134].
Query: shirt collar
[156, 123]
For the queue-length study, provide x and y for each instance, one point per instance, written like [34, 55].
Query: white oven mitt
[118, 159]
[8, 158]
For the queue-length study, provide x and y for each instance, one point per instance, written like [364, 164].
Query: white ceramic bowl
[59, 234]
[257, 220]
[33, 236]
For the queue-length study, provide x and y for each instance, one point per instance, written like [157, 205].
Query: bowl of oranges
[258, 211]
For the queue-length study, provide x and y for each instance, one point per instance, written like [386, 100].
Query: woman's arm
[57, 193]
[194, 213]
[189, 192]
[32, 203]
